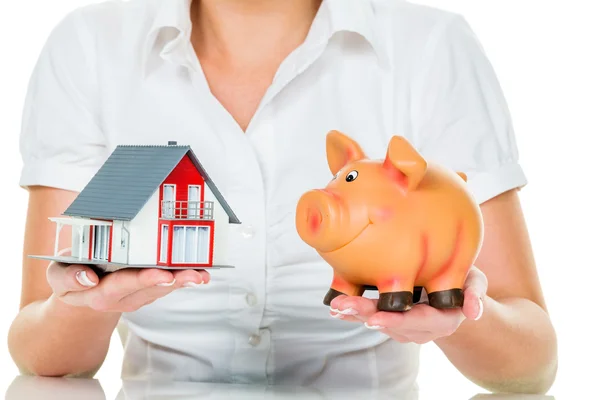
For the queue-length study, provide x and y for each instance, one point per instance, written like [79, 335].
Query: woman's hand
[121, 291]
[422, 323]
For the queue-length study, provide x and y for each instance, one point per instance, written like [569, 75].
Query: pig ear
[405, 163]
[341, 150]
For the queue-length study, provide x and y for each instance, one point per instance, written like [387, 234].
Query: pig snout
[317, 220]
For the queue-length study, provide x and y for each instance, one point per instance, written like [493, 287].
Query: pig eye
[352, 175]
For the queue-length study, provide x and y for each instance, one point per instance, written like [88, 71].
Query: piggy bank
[397, 225]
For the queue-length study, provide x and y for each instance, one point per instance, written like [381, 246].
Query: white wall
[547, 59]
[119, 254]
[221, 229]
[144, 234]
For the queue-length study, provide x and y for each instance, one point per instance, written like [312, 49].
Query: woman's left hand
[422, 323]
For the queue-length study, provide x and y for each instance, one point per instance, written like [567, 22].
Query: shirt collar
[169, 32]
[356, 16]
[170, 29]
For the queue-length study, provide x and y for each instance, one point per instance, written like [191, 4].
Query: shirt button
[251, 299]
[254, 340]
[248, 231]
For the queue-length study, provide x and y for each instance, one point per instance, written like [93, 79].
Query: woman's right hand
[121, 291]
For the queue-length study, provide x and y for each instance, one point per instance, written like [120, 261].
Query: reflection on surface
[189, 390]
[31, 387]
[25, 387]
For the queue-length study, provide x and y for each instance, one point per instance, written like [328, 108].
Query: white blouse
[125, 73]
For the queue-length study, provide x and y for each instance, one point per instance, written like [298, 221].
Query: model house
[148, 206]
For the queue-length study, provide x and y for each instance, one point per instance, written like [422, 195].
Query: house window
[101, 236]
[191, 244]
[168, 203]
[164, 243]
[193, 201]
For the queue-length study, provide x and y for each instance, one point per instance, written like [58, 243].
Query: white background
[547, 57]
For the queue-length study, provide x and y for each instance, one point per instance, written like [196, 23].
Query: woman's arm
[48, 336]
[513, 346]
[65, 324]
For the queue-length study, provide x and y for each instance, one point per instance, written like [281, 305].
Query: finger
[361, 308]
[342, 317]
[335, 302]
[335, 313]
[476, 286]
[119, 284]
[143, 297]
[421, 317]
[70, 278]
[191, 278]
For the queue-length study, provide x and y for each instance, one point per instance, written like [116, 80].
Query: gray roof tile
[129, 177]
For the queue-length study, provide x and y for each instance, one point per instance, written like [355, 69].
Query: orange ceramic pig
[397, 225]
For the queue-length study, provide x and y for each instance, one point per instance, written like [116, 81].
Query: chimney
[172, 143]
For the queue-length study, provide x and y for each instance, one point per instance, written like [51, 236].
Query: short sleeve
[61, 142]
[460, 115]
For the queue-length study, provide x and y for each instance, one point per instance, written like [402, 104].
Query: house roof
[129, 177]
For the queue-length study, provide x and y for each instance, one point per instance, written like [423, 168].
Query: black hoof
[332, 294]
[418, 291]
[395, 301]
[452, 298]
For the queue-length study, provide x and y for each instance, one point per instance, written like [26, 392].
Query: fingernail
[83, 279]
[193, 284]
[374, 327]
[164, 284]
[349, 311]
[480, 309]
[336, 316]
[335, 310]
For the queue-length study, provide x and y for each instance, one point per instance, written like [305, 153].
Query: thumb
[475, 290]
[70, 278]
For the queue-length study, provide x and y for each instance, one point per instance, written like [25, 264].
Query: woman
[253, 87]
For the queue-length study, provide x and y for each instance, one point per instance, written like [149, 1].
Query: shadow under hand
[35, 387]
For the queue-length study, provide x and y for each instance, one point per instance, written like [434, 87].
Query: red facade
[182, 222]
[182, 177]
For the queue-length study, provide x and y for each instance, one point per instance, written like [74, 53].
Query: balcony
[200, 210]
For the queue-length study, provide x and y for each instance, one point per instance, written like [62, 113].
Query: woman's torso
[263, 321]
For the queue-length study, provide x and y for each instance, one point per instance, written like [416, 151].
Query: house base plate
[107, 267]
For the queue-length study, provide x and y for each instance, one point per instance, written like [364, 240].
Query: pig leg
[396, 295]
[417, 292]
[340, 287]
[398, 284]
[444, 289]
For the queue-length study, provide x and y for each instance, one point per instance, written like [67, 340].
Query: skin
[512, 347]
[77, 320]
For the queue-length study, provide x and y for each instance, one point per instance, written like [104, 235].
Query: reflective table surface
[26, 388]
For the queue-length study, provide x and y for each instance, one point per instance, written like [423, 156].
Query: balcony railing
[187, 210]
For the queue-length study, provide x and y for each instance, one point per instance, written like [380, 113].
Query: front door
[191, 244]
[100, 242]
